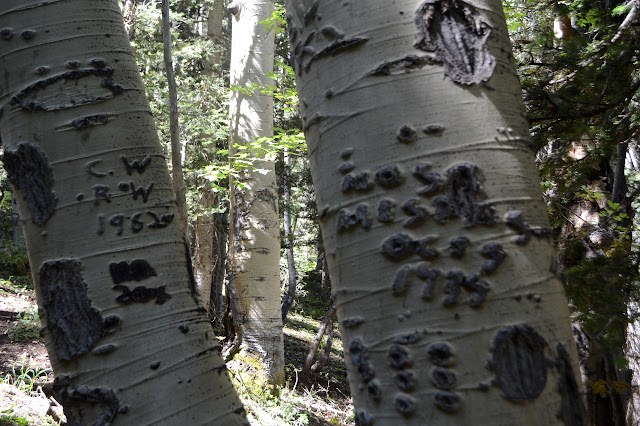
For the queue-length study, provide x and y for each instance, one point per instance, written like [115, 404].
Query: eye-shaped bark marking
[447, 401]
[441, 353]
[495, 254]
[346, 153]
[403, 66]
[346, 167]
[519, 362]
[456, 32]
[6, 34]
[75, 326]
[433, 129]
[90, 121]
[97, 85]
[84, 405]
[29, 171]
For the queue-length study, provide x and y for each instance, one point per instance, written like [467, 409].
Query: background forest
[578, 65]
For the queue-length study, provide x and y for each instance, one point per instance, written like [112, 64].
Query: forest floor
[26, 376]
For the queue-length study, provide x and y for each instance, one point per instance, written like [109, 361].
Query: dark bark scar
[458, 35]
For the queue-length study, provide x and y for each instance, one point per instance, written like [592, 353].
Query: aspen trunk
[436, 235]
[128, 341]
[288, 236]
[254, 252]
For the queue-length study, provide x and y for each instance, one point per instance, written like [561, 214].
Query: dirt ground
[32, 351]
[17, 358]
[330, 388]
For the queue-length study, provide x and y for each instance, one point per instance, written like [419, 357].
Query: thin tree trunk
[315, 344]
[203, 264]
[127, 339]
[176, 149]
[322, 361]
[214, 31]
[437, 239]
[288, 236]
[129, 14]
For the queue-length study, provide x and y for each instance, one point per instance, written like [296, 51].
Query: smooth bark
[203, 262]
[288, 237]
[436, 235]
[254, 252]
[128, 341]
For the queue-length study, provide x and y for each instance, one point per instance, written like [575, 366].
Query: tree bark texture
[288, 236]
[255, 232]
[437, 239]
[129, 15]
[214, 31]
[174, 126]
[205, 232]
[128, 341]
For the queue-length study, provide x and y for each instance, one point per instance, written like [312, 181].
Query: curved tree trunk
[255, 232]
[128, 341]
[436, 236]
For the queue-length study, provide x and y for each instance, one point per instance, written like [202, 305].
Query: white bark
[436, 235]
[128, 342]
[204, 234]
[255, 232]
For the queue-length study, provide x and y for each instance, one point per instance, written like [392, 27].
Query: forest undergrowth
[306, 399]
